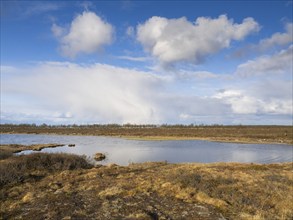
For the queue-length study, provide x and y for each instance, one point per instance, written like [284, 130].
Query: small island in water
[67, 186]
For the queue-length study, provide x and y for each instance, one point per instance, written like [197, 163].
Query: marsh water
[123, 152]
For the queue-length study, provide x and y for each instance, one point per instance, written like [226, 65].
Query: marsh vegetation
[63, 186]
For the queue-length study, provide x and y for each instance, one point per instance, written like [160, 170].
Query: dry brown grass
[245, 134]
[149, 190]
[241, 191]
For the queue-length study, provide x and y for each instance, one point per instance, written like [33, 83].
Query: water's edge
[164, 138]
[124, 151]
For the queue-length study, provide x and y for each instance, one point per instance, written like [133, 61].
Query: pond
[123, 152]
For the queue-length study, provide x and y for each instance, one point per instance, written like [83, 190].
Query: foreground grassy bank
[243, 134]
[62, 186]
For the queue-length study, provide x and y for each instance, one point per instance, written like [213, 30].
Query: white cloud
[176, 40]
[278, 39]
[262, 86]
[97, 93]
[244, 103]
[277, 89]
[71, 93]
[278, 63]
[64, 92]
[239, 102]
[88, 33]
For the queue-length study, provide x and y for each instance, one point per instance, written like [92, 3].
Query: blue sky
[211, 62]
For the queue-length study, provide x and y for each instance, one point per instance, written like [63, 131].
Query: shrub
[17, 169]
[5, 154]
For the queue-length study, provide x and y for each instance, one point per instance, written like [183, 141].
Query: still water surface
[123, 152]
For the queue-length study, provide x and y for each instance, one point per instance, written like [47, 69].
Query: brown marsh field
[66, 186]
[240, 133]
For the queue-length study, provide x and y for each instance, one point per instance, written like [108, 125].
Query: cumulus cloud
[87, 34]
[176, 40]
[278, 63]
[278, 39]
[244, 103]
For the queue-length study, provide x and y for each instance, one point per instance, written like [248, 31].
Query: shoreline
[221, 140]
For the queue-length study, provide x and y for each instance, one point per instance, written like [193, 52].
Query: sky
[147, 62]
